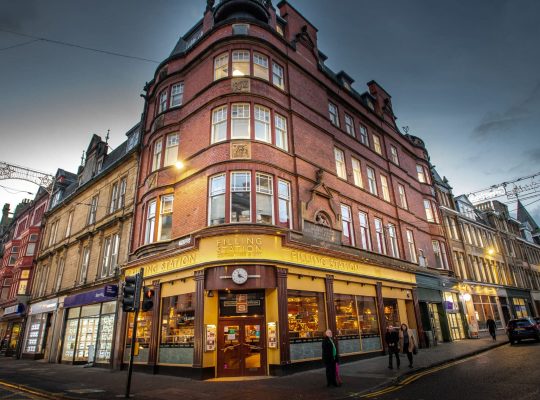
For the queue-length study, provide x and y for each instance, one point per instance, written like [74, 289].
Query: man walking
[392, 341]
[491, 327]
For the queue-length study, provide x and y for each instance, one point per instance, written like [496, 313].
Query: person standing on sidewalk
[491, 327]
[406, 343]
[330, 358]
[392, 341]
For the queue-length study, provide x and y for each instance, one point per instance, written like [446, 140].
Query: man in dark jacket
[392, 341]
[330, 358]
[491, 327]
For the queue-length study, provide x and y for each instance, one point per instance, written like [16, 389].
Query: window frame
[162, 101]
[157, 151]
[259, 66]
[214, 193]
[411, 246]
[349, 125]
[221, 71]
[278, 75]
[372, 181]
[241, 62]
[163, 214]
[281, 130]
[394, 154]
[363, 135]
[402, 194]
[178, 95]
[284, 199]
[270, 193]
[379, 235]
[150, 222]
[341, 168]
[347, 223]
[169, 149]
[235, 108]
[393, 240]
[377, 145]
[220, 117]
[365, 237]
[333, 114]
[385, 189]
[238, 190]
[357, 172]
[264, 123]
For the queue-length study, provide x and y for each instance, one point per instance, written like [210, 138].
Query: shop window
[402, 197]
[306, 314]
[177, 94]
[284, 203]
[520, 308]
[262, 124]
[280, 124]
[240, 63]
[346, 315]
[241, 197]
[177, 329]
[217, 200]
[150, 222]
[240, 121]
[384, 187]
[278, 75]
[365, 240]
[372, 184]
[171, 150]
[264, 199]
[106, 331]
[219, 124]
[391, 313]
[35, 334]
[260, 66]
[221, 66]
[347, 237]
[144, 330]
[165, 217]
[369, 323]
[340, 163]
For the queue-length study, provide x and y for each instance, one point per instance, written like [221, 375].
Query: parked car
[537, 320]
[523, 328]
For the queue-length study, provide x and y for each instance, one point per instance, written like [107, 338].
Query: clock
[239, 276]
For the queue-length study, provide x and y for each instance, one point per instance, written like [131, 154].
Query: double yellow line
[413, 378]
[25, 389]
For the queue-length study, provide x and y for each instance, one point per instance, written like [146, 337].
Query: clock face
[239, 276]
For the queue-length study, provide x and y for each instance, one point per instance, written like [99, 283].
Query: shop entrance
[241, 347]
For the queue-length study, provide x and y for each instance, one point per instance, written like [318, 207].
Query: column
[330, 305]
[283, 328]
[380, 311]
[199, 320]
[156, 324]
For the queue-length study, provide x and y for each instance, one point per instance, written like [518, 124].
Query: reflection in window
[240, 197]
[346, 315]
[306, 314]
[178, 320]
[217, 199]
[265, 199]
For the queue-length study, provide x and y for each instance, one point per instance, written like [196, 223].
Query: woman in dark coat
[407, 343]
[492, 327]
[330, 358]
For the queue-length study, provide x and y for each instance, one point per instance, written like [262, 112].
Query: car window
[523, 323]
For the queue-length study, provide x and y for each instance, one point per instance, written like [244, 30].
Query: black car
[522, 328]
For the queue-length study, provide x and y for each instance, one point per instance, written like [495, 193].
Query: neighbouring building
[73, 310]
[273, 202]
[19, 249]
[489, 261]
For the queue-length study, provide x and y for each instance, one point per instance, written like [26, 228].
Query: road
[508, 372]
[13, 393]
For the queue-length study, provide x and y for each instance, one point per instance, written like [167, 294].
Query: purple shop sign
[95, 296]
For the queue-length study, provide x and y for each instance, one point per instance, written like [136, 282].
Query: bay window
[171, 149]
[221, 66]
[264, 199]
[177, 94]
[219, 124]
[240, 121]
[282, 140]
[156, 159]
[260, 66]
[150, 222]
[241, 197]
[240, 63]
[262, 124]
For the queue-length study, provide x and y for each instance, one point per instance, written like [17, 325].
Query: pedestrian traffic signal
[131, 293]
[148, 299]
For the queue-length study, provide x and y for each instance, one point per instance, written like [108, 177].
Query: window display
[144, 328]
[391, 314]
[484, 307]
[306, 314]
[346, 315]
[369, 323]
[177, 329]
[35, 335]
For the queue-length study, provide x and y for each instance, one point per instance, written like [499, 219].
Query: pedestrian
[491, 327]
[330, 358]
[392, 342]
[407, 343]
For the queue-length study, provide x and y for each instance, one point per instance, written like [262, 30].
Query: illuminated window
[221, 66]
[340, 163]
[171, 150]
[240, 63]
[306, 315]
[357, 172]
[384, 186]
[260, 66]
[377, 144]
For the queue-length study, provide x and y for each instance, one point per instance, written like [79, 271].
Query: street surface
[507, 372]
[7, 393]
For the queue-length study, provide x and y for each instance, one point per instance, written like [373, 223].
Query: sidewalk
[358, 377]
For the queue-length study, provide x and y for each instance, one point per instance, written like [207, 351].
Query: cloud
[495, 123]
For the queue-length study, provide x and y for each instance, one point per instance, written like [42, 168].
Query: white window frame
[262, 191]
[262, 124]
[333, 114]
[235, 189]
[261, 67]
[429, 211]
[357, 172]
[162, 101]
[177, 94]
[379, 235]
[156, 155]
[150, 222]
[171, 149]
[372, 181]
[240, 113]
[377, 144]
[219, 120]
[349, 125]
[280, 126]
[394, 154]
[221, 66]
[241, 60]
[421, 173]
[411, 246]
[384, 188]
[403, 197]
[347, 221]
[165, 212]
[365, 238]
[341, 169]
[215, 192]
[278, 75]
[284, 198]
[364, 138]
[392, 241]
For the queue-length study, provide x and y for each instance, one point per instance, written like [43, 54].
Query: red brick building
[274, 201]
[16, 270]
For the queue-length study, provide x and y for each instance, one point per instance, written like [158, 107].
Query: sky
[464, 76]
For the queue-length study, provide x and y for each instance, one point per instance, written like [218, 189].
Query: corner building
[273, 202]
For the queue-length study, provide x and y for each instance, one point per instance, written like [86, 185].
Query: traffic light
[148, 299]
[132, 290]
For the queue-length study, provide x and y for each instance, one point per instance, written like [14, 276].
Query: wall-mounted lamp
[179, 164]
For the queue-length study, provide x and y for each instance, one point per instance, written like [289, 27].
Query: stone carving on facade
[321, 190]
[240, 150]
[240, 85]
[321, 218]
[151, 182]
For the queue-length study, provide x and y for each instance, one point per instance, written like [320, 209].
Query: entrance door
[241, 347]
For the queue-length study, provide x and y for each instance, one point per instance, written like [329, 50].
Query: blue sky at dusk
[463, 75]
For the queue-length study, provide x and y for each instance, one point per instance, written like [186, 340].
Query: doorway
[241, 347]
